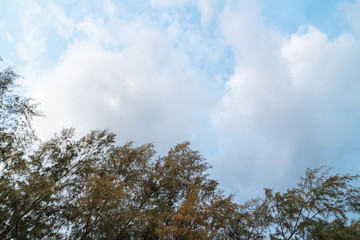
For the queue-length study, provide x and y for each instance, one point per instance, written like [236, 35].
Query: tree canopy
[92, 188]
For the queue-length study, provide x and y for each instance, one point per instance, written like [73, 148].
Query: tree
[318, 198]
[336, 229]
[16, 137]
[92, 188]
[251, 220]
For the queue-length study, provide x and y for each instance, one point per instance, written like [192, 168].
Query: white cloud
[61, 22]
[94, 30]
[169, 3]
[4, 33]
[146, 92]
[32, 43]
[291, 100]
[353, 15]
[207, 9]
[111, 9]
[291, 103]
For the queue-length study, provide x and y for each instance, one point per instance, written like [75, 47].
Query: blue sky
[264, 89]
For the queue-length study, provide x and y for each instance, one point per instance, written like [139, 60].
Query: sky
[264, 89]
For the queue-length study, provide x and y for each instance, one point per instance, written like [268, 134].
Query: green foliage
[91, 188]
[317, 198]
[318, 208]
[336, 230]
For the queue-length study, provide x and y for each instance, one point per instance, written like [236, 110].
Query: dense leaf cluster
[91, 188]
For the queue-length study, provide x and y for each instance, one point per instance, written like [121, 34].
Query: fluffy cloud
[63, 24]
[147, 92]
[33, 42]
[353, 16]
[207, 9]
[4, 33]
[169, 3]
[291, 103]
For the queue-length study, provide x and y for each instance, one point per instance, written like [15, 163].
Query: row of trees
[91, 188]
